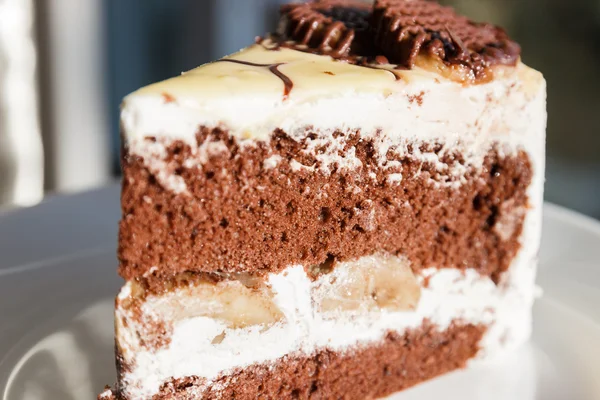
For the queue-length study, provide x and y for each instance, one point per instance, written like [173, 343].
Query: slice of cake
[344, 209]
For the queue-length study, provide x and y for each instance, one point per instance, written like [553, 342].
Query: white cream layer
[422, 106]
[451, 295]
[249, 100]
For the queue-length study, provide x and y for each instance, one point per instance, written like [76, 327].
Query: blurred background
[65, 65]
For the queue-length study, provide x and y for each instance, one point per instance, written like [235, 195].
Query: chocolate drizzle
[397, 76]
[274, 68]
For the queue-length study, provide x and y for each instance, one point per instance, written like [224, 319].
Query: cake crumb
[417, 98]
[168, 98]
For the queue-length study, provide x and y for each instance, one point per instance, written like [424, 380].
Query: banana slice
[380, 282]
[233, 302]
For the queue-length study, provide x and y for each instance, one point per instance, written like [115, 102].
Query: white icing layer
[248, 102]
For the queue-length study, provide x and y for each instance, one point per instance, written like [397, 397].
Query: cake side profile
[344, 209]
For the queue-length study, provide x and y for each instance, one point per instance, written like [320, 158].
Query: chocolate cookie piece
[337, 28]
[405, 29]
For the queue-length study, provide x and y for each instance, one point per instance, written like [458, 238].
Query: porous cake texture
[344, 209]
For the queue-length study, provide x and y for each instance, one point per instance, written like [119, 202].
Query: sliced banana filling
[380, 282]
[231, 302]
[370, 284]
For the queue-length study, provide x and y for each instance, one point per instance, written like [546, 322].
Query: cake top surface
[325, 46]
[387, 54]
[267, 69]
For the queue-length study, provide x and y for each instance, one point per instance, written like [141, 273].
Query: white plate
[58, 279]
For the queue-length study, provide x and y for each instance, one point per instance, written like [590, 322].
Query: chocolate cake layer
[398, 362]
[240, 214]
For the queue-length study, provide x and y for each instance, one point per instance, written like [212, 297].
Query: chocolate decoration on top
[274, 68]
[404, 29]
[334, 27]
[397, 31]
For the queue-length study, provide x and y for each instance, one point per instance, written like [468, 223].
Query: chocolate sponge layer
[242, 214]
[397, 362]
